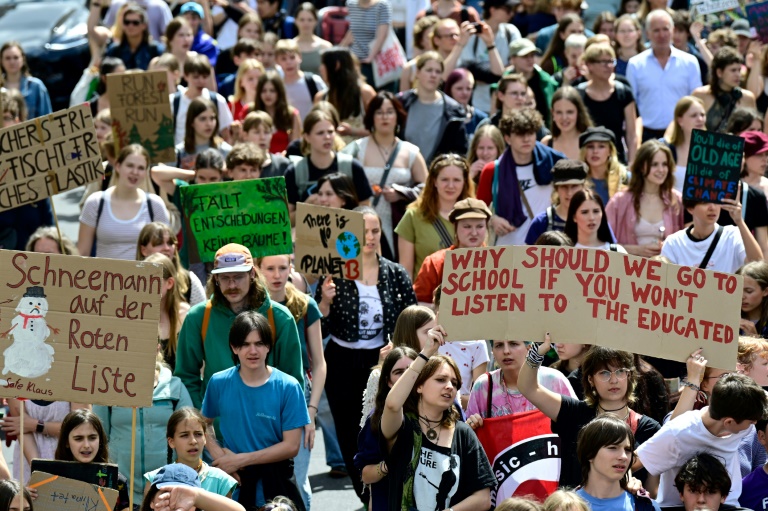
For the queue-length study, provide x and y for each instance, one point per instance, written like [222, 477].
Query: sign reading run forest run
[48, 155]
[589, 296]
[253, 213]
[78, 329]
[141, 113]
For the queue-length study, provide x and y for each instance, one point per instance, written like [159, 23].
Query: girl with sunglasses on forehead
[609, 380]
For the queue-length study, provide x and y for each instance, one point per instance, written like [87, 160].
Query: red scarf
[27, 317]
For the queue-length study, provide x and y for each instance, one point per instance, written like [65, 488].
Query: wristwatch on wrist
[40, 426]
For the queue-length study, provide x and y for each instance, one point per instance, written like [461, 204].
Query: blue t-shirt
[624, 502]
[754, 490]
[254, 418]
[540, 225]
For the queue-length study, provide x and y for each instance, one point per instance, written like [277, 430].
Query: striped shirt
[364, 21]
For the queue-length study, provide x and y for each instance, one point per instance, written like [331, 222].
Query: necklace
[616, 410]
[384, 151]
[506, 392]
[432, 435]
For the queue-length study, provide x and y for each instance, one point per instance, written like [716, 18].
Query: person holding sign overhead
[609, 380]
[360, 316]
[112, 220]
[651, 207]
[587, 223]
[235, 286]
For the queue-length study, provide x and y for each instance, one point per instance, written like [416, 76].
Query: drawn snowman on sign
[29, 356]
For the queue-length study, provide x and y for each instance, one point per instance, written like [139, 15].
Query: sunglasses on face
[135, 23]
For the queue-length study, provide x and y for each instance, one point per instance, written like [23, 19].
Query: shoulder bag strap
[711, 249]
[490, 395]
[550, 218]
[149, 208]
[271, 319]
[100, 210]
[445, 236]
[744, 195]
[385, 174]
[206, 320]
[525, 200]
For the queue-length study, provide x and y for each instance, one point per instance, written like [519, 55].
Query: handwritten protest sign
[253, 213]
[141, 113]
[101, 474]
[78, 329]
[702, 7]
[757, 14]
[714, 166]
[329, 241]
[48, 155]
[56, 493]
[591, 297]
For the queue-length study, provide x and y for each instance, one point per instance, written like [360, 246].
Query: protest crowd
[632, 127]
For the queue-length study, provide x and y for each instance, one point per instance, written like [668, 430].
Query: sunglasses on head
[135, 23]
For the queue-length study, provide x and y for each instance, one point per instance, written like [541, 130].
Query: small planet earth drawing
[347, 245]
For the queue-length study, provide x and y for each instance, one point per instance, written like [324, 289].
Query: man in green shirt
[234, 287]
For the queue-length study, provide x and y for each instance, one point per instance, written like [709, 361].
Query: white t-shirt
[298, 94]
[225, 116]
[539, 197]
[677, 441]
[467, 355]
[604, 246]
[115, 238]
[371, 320]
[729, 254]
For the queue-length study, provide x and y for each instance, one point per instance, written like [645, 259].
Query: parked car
[54, 35]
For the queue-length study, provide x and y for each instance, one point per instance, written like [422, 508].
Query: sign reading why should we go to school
[253, 213]
[591, 296]
[714, 167]
[78, 329]
[329, 241]
[47, 155]
[141, 113]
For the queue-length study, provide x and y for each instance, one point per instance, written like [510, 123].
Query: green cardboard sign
[253, 213]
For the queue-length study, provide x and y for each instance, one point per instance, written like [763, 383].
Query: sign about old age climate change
[78, 329]
[47, 155]
[714, 167]
[591, 296]
[329, 241]
[141, 113]
[253, 213]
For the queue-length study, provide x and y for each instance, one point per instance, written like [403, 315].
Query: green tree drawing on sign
[134, 137]
[164, 135]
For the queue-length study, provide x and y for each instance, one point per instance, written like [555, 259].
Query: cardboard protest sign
[329, 241]
[591, 296]
[524, 453]
[56, 493]
[47, 155]
[714, 166]
[101, 474]
[141, 113]
[703, 7]
[78, 329]
[757, 14]
[253, 213]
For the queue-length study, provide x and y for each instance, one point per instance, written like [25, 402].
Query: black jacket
[396, 293]
[452, 136]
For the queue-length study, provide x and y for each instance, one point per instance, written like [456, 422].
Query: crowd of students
[512, 123]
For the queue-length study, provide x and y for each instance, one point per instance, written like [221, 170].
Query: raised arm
[696, 365]
[392, 417]
[164, 175]
[528, 381]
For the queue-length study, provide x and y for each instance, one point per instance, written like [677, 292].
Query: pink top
[622, 216]
[505, 401]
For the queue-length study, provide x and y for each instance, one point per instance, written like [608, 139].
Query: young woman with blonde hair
[173, 310]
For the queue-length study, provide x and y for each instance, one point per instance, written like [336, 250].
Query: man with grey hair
[661, 75]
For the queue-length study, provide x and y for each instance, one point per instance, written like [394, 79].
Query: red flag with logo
[524, 454]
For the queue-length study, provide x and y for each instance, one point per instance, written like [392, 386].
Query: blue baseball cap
[176, 474]
[192, 7]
